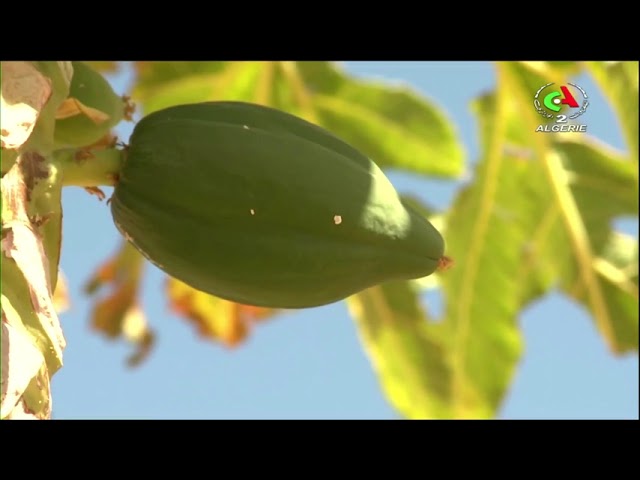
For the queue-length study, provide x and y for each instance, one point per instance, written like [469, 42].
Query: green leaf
[322, 78]
[617, 271]
[488, 225]
[587, 186]
[237, 81]
[151, 75]
[396, 127]
[409, 361]
[602, 186]
[619, 83]
[476, 348]
[566, 68]
[552, 70]
[105, 66]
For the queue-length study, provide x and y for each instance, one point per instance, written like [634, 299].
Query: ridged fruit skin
[93, 90]
[260, 207]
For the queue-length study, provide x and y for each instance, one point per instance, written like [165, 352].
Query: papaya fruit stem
[89, 168]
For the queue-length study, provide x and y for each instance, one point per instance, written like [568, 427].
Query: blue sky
[310, 364]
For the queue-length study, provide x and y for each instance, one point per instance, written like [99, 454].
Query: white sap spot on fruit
[253, 212]
[337, 219]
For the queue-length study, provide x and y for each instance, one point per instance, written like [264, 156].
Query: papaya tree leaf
[488, 229]
[150, 75]
[550, 71]
[619, 83]
[105, 66]
[602, 183]
[588, 186]
[411, 363]
[617, 277]
[395, 126]
[487, 225]
[236, 81]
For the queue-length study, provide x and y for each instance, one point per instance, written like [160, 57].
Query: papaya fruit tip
[445, 263]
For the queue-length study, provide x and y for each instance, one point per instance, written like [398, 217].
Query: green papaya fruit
[257, 206]
[92, 90]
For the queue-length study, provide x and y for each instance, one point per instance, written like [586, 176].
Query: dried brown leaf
[71, 107]
[118, 314]
[216, 318]
[97, 192]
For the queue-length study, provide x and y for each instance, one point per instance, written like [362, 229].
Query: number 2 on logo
[561, 119]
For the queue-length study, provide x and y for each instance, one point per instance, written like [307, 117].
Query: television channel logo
[562, 105]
